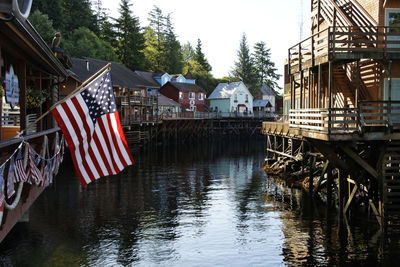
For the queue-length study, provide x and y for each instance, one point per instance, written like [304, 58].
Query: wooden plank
[353, 192]
[360, 161]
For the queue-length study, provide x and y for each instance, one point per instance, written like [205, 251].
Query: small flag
[90, 123]
[11, 178]
[36, 176]
[19, 167]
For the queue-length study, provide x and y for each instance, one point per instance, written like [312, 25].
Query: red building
[190, 96]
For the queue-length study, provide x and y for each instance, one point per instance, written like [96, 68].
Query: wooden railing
[137, 100]
[344, 42]
[369, 116]
[379, 113]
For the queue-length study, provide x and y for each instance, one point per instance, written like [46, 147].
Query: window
[201, 96]
[392, 21]
[235, 98]
[247, 98]
[180, 95]
[191, 95]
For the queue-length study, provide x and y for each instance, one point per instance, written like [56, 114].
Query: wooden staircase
[391, 183]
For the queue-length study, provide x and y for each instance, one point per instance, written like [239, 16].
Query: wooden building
[342, 98]
[189, 96]
[231, 97]
[130, 90]
[30, 74]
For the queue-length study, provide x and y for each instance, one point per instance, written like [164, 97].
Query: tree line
[87, 30]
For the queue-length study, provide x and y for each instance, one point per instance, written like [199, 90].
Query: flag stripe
[114, 140]
[122, 140]
[103, 147]
[108, 144]
[99, 151]
[67, 135]
[79, 152]
[101, 166]
[90, 158]
[82, 139]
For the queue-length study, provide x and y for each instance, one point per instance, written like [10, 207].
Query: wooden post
[301, 89]
[309, 89]
[389, 107]
[341, 192]
[358, 85]
[330, 84]
[329, 185]
[311, 178]
[319, 86]
[22, 93]
[330, 104]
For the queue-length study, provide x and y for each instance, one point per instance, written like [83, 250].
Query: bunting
[2, 193]
[19, 166]
[11, 178]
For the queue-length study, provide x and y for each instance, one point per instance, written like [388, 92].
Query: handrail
[360, 8]
[382, 113]
[16, 140]
[344, 40]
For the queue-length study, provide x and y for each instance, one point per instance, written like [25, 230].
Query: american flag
[19, 167]
[36, 176]
[90, 123]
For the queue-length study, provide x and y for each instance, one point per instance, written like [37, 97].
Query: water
[203, 205]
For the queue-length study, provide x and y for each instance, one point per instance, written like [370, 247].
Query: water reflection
[203, 205]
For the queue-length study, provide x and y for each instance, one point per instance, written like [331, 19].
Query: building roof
[165, 101]
[40, 54]
[149, 77]
[187, 87]
[266, 90]
[261, 103]
[189, 75]
[121, 75]
[224, 90]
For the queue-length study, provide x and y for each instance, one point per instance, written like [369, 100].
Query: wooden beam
[377, 215]
[360, 161]
[353, 192]
[322, 175]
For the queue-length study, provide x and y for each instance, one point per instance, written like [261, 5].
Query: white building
[231, 97]
[268, 94]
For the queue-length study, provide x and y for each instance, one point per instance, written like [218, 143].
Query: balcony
[374, 120]
[345, 43]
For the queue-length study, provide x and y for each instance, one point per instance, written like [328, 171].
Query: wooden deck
[372, 120]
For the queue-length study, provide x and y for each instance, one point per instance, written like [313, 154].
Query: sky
[220, 24]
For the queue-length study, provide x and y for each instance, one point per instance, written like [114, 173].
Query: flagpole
[88, 81]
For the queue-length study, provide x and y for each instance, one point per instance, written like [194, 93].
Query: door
[392, 20]
[395, 96]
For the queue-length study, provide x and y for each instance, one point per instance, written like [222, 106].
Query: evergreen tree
[53, 9]
[85, 43]
[150, 51]
[157, 24]
[43, 25]
[79, 15]
[200, 57]
[244, 68]
[265, 68]
[130, 38]
[173, 54]
[188, 52]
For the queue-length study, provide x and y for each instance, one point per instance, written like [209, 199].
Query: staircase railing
[356, 13]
